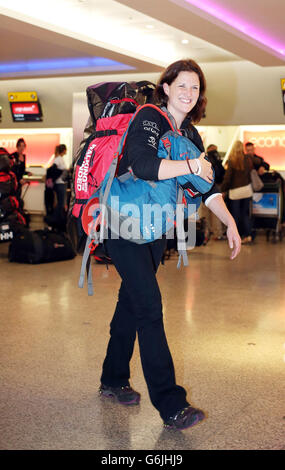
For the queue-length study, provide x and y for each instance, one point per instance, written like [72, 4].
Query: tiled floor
[225, 322]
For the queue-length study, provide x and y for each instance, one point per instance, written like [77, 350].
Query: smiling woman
[181, 89]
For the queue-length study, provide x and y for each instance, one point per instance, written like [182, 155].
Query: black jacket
[259, 161]
[142, 144]
[214, 158]
[18, 166]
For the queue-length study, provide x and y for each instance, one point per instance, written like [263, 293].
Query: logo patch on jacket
[152, 142]
[151, 126]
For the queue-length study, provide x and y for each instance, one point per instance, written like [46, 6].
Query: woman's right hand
[206, 168]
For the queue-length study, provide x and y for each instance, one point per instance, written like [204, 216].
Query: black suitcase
[40, 246]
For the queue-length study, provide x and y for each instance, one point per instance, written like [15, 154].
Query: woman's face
[183, 94]
[21, 147]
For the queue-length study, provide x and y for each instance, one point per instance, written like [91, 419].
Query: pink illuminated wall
[40, 147]
[270, 145]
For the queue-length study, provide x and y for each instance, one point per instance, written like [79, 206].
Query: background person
[60, 185]
[216, 161]
[214, 225]
[258, 162]
[18, 165]
[237, 182]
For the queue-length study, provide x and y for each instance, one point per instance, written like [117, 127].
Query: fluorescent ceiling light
[91, 24]
[62, 64]
[229, 18]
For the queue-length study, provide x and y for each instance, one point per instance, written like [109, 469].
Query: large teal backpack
[143, 211]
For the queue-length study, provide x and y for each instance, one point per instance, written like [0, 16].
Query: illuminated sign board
[25, 106]
[269, 145]
[24, 96]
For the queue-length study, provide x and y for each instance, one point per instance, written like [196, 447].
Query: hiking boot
[185, 418]
[124, 395]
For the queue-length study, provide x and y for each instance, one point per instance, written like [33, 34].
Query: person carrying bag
[238, 183]
[181, 89]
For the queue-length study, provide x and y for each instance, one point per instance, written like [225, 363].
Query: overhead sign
[25, 108]
[22, 96]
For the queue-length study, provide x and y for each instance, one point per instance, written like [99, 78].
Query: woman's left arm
[219, 208]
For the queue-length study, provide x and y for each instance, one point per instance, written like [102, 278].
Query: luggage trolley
[267, 209]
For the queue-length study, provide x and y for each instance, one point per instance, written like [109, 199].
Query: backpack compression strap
[86, 267]
[181, 238]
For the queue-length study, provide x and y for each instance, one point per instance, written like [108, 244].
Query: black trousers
[60, 190]
[49, 200]
[139, 310]
[240, 209]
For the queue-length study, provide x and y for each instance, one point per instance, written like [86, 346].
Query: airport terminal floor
[225, 323]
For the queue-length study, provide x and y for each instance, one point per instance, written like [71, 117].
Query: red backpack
[111, 106]
[96, 157]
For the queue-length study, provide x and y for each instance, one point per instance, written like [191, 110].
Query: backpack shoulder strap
[170, 119]
[163, 111]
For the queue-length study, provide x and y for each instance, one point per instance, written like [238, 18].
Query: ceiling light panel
[65, 65]
[111, 25]
[240, 23]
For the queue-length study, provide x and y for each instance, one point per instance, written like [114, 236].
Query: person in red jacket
[9, 203]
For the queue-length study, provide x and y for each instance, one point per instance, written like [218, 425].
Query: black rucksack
[40, 246]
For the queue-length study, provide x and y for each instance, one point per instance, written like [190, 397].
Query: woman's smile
[183, 94]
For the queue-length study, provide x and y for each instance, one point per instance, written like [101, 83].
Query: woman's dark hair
[20, 141]
[59, 149]
[170, 74]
